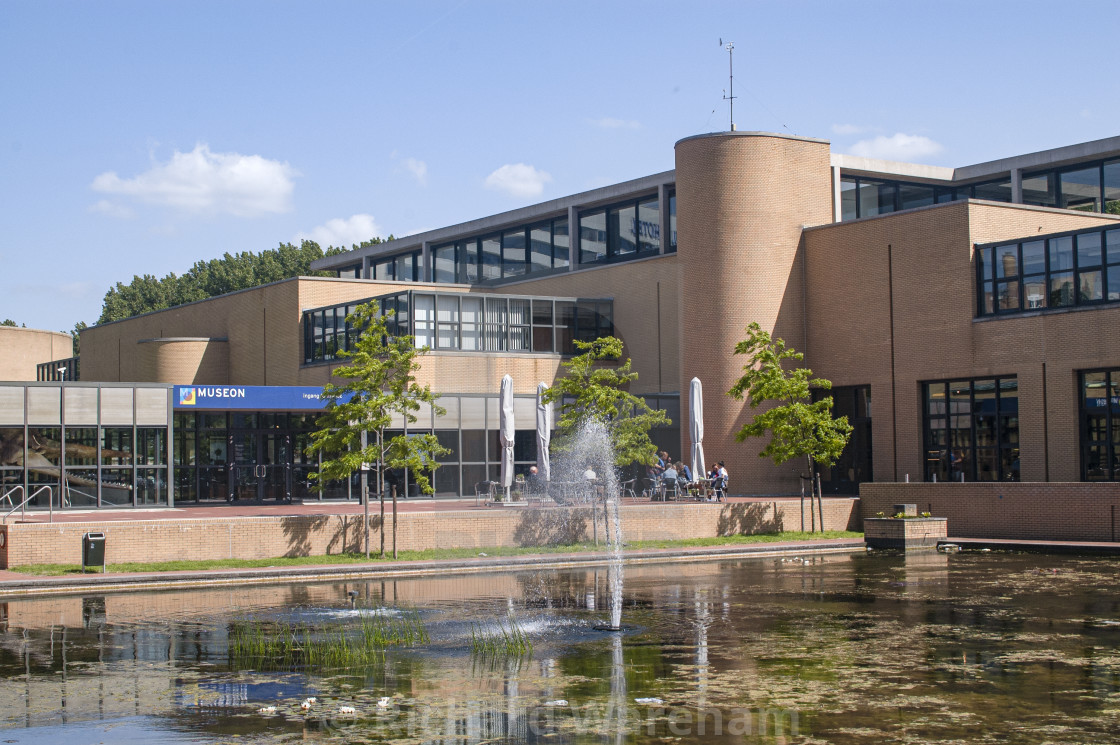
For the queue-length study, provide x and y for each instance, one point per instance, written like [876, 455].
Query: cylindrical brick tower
[742, 201]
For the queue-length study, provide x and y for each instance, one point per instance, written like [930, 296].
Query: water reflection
[844, 649]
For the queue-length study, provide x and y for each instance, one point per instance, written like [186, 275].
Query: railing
[23, 505]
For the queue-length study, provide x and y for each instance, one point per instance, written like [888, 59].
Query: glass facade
[406, 267]
[865, 197]
[621, 232]
[350, 272]
[971, 429]
[528, 249]
[1055, 271]
[1100, 425]
[248, 456]
[1091, 187]
[91, 446]
[468, 323]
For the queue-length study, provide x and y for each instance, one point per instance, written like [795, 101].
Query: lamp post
[62, 373]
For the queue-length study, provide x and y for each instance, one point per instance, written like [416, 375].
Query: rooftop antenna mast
[730, 47]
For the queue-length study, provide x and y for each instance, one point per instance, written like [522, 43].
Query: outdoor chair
[626, 489]
[719, 489]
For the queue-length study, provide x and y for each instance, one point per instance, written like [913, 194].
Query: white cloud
[206, 182]
[848, 129]
[518, 180]
[418, 168]
[343, 233]
[112, 209]
[896, 147]
[608, 122]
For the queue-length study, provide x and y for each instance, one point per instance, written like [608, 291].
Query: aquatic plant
[508, 639]
[283, 645]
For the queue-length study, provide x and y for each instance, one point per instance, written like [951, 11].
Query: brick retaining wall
[317, 535]
[1031, 510]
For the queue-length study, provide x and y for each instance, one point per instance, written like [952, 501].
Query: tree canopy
[591, 390]
[216, 277]
[379, 383]
[798, 427]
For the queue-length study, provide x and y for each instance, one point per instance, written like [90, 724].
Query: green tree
[76, 335]
[798, 427]
[8, 322]
[207, 279]
[353, 432]
[591, 390]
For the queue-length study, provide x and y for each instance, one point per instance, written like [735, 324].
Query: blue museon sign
[249, 397]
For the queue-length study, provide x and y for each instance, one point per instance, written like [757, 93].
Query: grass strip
[432, 554]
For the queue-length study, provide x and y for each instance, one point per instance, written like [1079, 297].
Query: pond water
[843, 648]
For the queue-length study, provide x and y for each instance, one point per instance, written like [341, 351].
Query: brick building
[968, 318]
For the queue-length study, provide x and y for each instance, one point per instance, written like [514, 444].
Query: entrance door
[260, 465]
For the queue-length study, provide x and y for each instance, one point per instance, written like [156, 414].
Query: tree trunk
[803, 503]
[820, 502]
[365, 496]
[394, 524]
[381, 485]
[812, 513]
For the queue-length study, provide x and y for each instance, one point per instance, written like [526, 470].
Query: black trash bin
[93, 550]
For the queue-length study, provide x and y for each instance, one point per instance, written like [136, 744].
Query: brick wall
[1054, 511]
[921, 263]
[267, 537]
[743, 200]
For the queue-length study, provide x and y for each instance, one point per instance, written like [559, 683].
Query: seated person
[685, 472]
[669, 475]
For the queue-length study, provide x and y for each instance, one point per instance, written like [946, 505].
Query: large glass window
[866, 197]
[491, 258]
[443, 264]
[620, 232]
[672, 247]
[1100, 425]
[971, 429]
[1056, 271]
[398, 268]
[513, 253]
[592, 237]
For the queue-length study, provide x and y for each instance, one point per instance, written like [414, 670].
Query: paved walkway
[24, 585]
[1046, 547]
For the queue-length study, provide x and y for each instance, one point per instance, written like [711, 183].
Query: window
[866, 197]
[443, 264]
[621, 232]
[592, 237]
[971, 429]
[672, 247]
[455, 321]
[350, 272]
[1056, 271]
[1100, 425]
[399, 268]
[513, 253]
[447, 322]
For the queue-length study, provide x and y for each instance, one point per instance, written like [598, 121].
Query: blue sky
[140, 137]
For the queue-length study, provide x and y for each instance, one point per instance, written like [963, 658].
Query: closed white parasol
[506, 430]
[544, 434]
[696, 426]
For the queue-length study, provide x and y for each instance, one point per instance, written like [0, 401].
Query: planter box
[918, 532]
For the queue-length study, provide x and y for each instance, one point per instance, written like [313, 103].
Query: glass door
[260, 465]
[274, 469]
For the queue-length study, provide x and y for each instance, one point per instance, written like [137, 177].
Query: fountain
[589, 448]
